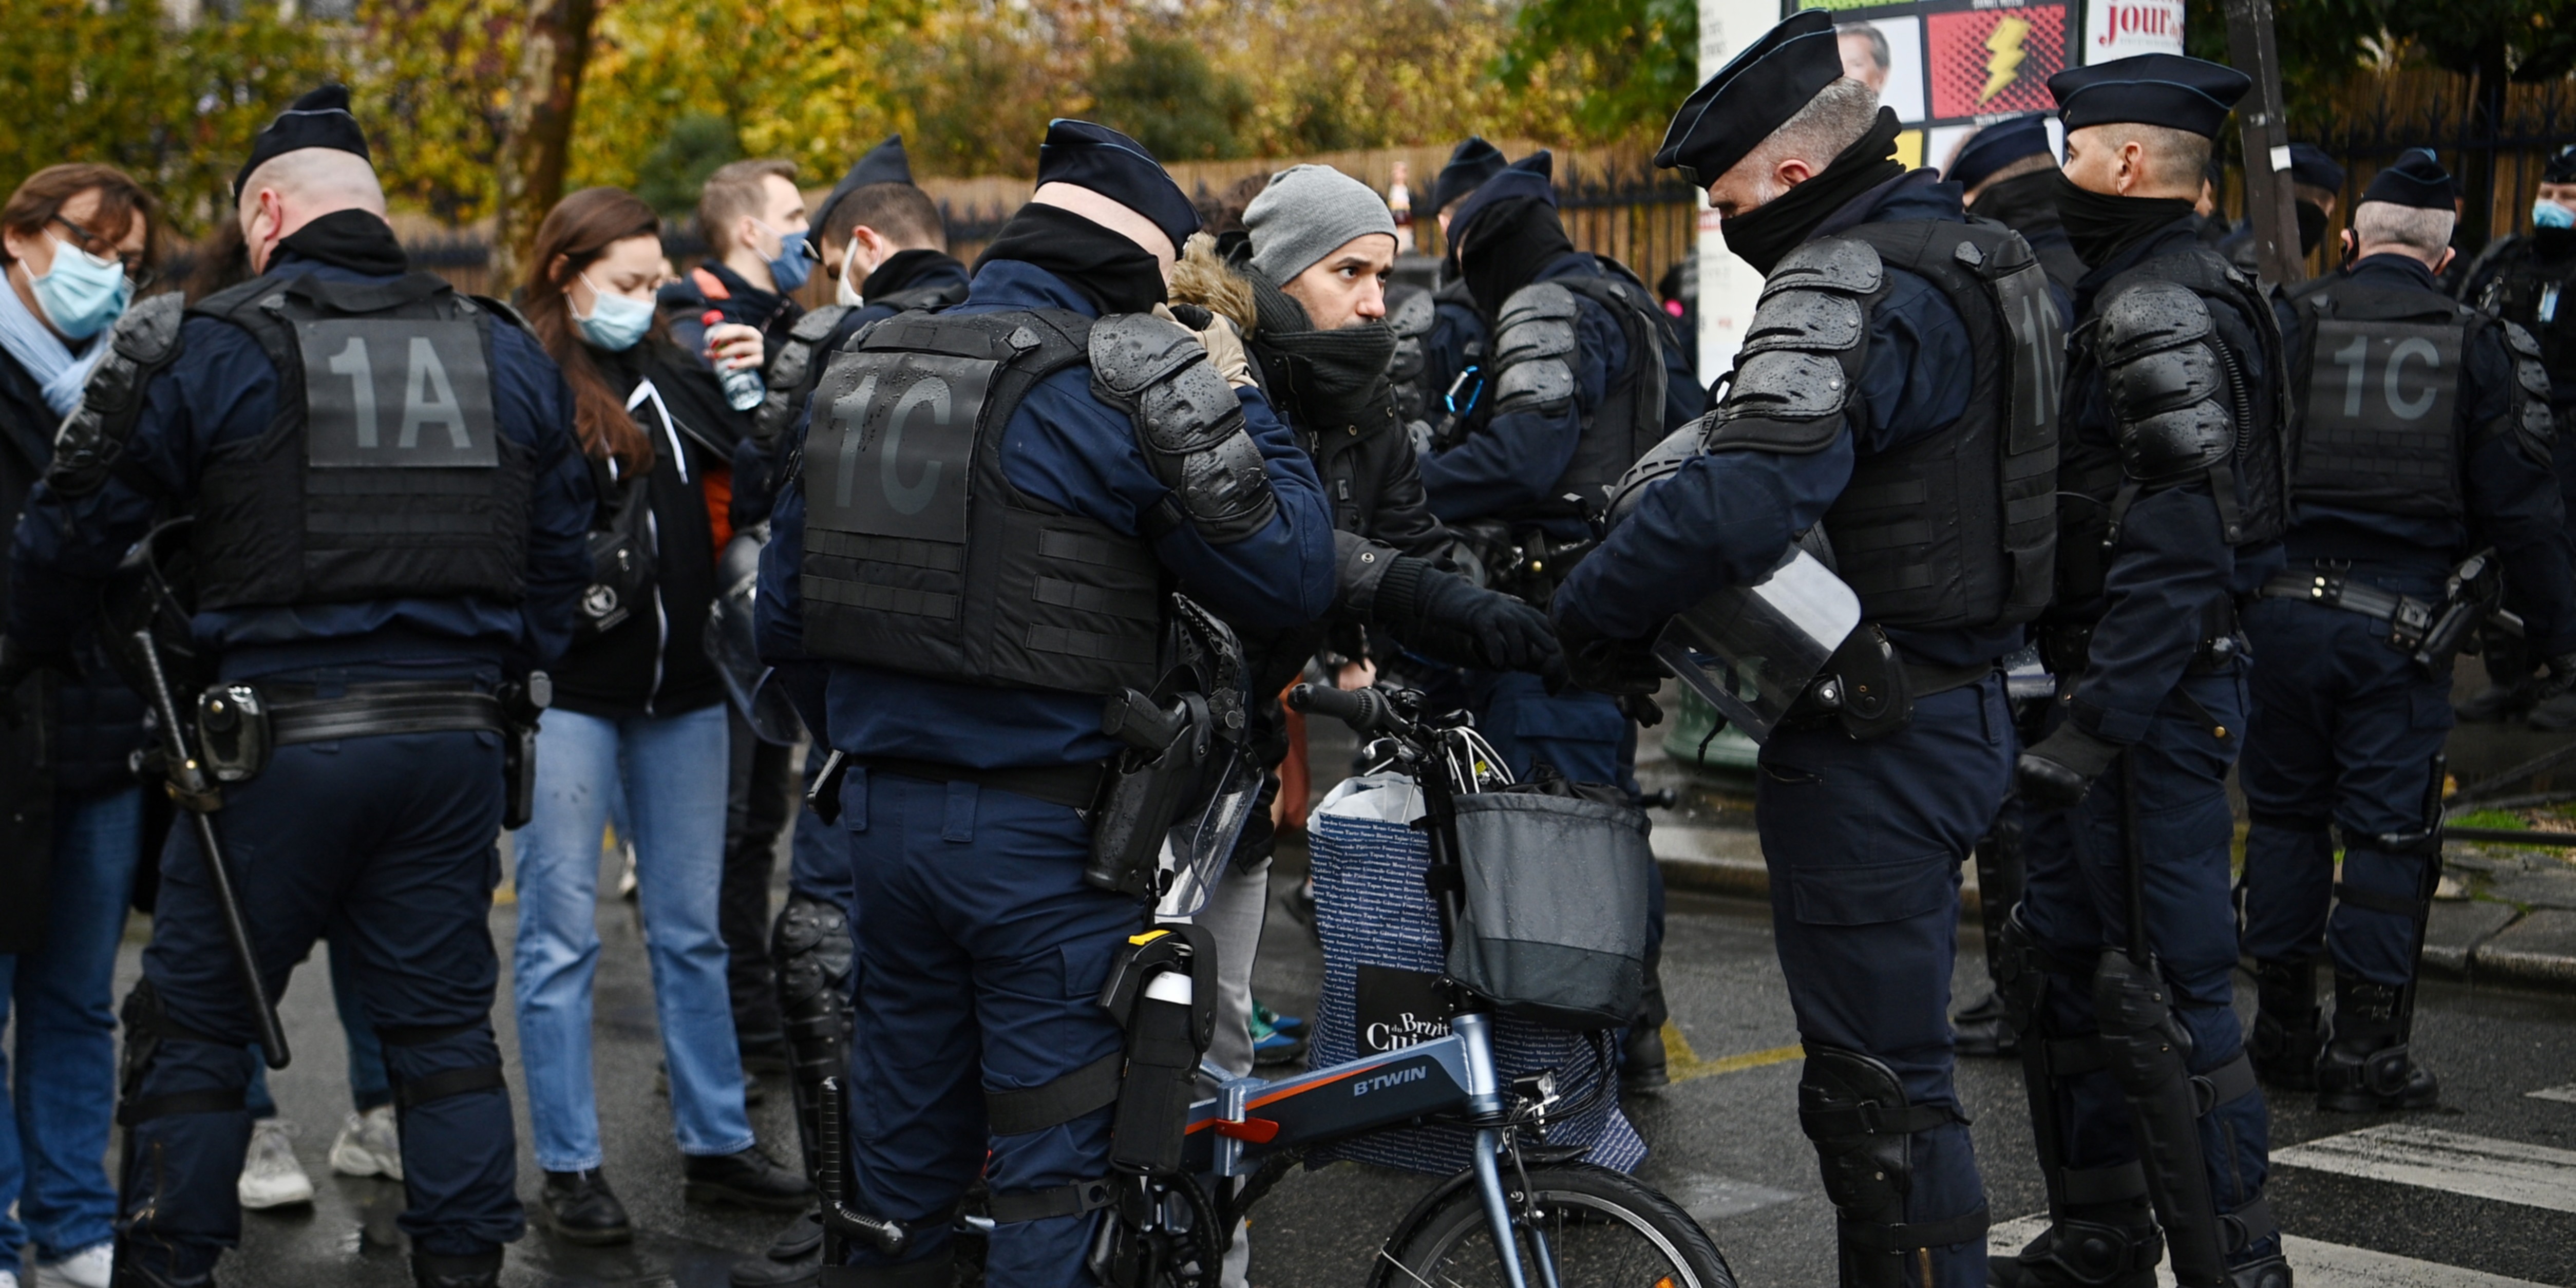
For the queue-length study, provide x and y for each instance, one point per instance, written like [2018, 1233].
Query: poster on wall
[1950, 67]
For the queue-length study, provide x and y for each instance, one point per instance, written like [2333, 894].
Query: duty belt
[2407, 617]
[1072, 786]
[296, 714]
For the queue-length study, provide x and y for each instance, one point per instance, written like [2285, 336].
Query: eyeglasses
[92, 244]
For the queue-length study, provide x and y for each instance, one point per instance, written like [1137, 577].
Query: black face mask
[1112, 271]
[2102, 225]
[2312, 226]
[1510, 244]
[1763, 235]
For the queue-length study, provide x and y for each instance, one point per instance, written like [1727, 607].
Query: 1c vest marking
[396, 393]
[2375, 372]
[901, 449]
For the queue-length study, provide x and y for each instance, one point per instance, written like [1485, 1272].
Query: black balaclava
[2102, 224]
[1109, 268]
[1762, 235]
[1507, 246]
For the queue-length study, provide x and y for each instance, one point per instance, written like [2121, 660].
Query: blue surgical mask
[82, 294]
[2549, 214]
[795, 260]
[615, 322]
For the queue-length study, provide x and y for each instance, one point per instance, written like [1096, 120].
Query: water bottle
[742, 385]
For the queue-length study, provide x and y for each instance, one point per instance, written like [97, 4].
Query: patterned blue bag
[1376, 915]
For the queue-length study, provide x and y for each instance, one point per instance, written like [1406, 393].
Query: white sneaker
[369, 1145]
[91, 1267]
[9, 1279]
[270, 1176]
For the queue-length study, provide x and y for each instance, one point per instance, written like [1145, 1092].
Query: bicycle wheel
[1601, 1228]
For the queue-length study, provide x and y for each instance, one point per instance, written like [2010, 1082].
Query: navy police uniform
[318, 420]
[2172, 463]
[971, 706]
[2425, 435]
[1870, 400]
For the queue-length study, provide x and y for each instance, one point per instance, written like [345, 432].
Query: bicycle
[1524, 1214]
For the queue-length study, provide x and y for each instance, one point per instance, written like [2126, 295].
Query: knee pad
[148, 1027]
[810, 948]
[408, 1047]
[1854, 1109]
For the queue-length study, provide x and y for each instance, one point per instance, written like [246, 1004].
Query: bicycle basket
[1555, 930]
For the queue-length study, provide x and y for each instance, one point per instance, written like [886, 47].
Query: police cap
[2561, 167]
[320, 119]
[2153, 89]
[884, 163]
[2310, 165]
[1754, 94]
[2417, 179]
[1470, 164]
[1996, 146]
[1119, 168]
[1532, 176]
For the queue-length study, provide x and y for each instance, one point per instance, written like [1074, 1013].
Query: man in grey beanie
[1315, 233]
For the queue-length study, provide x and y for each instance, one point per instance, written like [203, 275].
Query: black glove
[1446, 616]
[1620, 668]
[17, 663]
[2057, 771]
[1642, 709]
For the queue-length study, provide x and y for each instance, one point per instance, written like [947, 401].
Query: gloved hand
[17, 663]
[2059, 769]
[1621, 668]
[1223, 343]
[1454, 619]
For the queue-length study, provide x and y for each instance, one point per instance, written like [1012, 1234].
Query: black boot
[1980, 1028]
[2365, 1067]
[1641, 1061]
[2107, 1246]
[750, 1178]
[131, 1272]
[2283, 1045]
[765, 1272]
[481, 1270]
[578, 1207]
[2262, 1272]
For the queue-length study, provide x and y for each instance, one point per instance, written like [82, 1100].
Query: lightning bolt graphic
[2003, 47]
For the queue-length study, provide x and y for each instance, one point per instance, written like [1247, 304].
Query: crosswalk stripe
[2564, 1095]
[2317, 1265]
[2479, 1166]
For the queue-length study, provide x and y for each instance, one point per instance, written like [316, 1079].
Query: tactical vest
[1958, 529]
[385, 474]
[1631, 416]
[2541, 298]
[2248, 484]
[922, 557]
[2376, 378]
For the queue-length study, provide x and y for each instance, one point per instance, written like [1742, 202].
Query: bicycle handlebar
[1364, 710]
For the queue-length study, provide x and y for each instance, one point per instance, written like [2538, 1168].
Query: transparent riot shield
[1201, 841]
[732, 646]
[1752, 650]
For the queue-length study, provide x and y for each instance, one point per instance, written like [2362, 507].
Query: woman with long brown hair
[638, 712]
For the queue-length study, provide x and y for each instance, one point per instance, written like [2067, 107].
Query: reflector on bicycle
[1752, 650]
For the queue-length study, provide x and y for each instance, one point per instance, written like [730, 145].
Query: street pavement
[2480, 1193]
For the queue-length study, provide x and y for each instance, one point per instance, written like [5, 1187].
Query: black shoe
[129, 1272]
[766, 1272]
[2083, 1254]
[2283, 1045]
[1980, 1029]
[1641, 1061]
[750, 1178]
[2263, 1272]
[800, 1239]
[482, 1270]
[2496, 702]
[579, 1208]
[2365, 1067]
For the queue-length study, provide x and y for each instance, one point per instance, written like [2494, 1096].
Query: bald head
[295, 188]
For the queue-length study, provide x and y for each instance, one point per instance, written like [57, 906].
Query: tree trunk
[537, 133]
[2478, 160]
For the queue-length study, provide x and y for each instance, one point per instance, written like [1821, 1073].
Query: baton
[196, 796]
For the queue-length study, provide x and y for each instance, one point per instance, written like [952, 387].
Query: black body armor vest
[1631, 416]
[2540, 296]
[2376, 377]
[1958, 530]
[920, 555]
[385, 474]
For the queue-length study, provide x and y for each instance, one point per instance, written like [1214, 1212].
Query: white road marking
[2317, 1265]
[2564, 1095]
[2478, 1166]
[1714, 1198]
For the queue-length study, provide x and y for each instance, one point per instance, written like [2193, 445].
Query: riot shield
[735, 650]
[1753, 650]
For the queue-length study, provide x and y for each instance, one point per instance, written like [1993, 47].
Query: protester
[78, 241]
[760, 253]
[638, 710]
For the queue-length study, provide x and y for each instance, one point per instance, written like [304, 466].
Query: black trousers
[761, 793]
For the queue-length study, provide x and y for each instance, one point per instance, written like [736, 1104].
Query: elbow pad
[2533, 425]
[1803, 352]
[1534, 351]
[1188, 423]
[1411, 321]
[2171, 387]
[92, 439]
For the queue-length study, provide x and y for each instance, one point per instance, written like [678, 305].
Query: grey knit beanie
[1306, 213]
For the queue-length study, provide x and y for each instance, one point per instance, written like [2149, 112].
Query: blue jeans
[368, 1085]
[671, 771]
[51, 1147]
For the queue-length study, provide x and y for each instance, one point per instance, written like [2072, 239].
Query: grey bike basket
[1555, 929]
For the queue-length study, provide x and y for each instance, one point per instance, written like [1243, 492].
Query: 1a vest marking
[901, 446]
[397, 393]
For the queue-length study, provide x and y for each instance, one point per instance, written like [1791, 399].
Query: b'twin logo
[1389, 1081]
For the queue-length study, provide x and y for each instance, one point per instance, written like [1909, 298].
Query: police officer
[1898, 385]
[320, 420]
[2316, 185]
[1440, 336]
[2426, 434]
[2004, 170]
[2144, 1107]
[2520, 278]
[1111, 461]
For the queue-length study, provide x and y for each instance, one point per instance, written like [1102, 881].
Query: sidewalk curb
[2480, 941]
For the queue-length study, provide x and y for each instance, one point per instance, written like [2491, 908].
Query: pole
[2265, 133]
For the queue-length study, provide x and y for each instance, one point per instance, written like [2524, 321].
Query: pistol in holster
[1147, 784]
[523, 702]
[2472, 596]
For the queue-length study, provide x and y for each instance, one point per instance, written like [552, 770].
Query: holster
[1145, 787]
[523, 703]
[1165, 1039]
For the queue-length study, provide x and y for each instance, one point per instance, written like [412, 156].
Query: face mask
[81, 294]
[842, 292]
[615, 322]
[794, 263]
[2549, 214]
[2312, 225]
